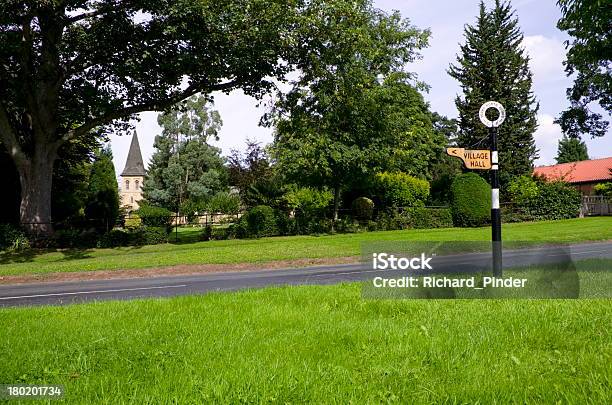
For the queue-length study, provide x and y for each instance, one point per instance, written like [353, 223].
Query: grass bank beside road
[283, 248]
[313, 344]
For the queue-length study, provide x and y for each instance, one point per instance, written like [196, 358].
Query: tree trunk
[36, 176]
[336, 201]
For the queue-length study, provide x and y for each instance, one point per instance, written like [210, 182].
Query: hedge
[471, 200]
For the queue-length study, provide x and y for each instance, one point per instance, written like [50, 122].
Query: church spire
[134, 165]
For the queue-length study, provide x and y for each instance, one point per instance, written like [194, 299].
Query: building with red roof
[584, 175]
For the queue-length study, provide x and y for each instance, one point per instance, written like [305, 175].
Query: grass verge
[284, 248]
[313, 344]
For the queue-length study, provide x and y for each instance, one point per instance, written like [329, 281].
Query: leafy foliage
[91, 66]
[184, 166]
[471, 200]
[12, 239]
[555, 200]
[154, 216]
[400, 189]
[571, 150]
[493, 66]
[224, 203]
[308, 201]
[604, 189]
[352, 110]
[588, 58]
[257, 222]
[363, 208]
[523, 189]
[102, 203]
[253, 174]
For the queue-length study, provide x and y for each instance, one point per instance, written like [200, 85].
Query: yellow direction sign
[473, 159]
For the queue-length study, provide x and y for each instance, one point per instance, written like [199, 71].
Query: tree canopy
[71, 67]
[184, 167]
[589, 23]
[352, 110]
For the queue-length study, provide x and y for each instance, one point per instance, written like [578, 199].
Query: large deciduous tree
[352, 110]
[589, 57]
[493, 65]
[69, 67]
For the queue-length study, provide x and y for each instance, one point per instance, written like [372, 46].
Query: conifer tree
[571, 150]
[102, 205]
[493, 65]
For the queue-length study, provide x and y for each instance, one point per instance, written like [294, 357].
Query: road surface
[124, 289]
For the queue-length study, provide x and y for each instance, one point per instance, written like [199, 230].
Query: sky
[446, 19]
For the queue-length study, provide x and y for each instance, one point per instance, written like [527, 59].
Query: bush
[155, 216]
[114, 238]
[133, 222]
[308, 203]
[75, 238]
[13, 239]
[522, 189]
[401, 190]
[224, 203]
[555, 200]
[153, 235]
[142, 236]
[257, 222]
[471, 200]
[428, 218]
[363, 208]
[604, 189]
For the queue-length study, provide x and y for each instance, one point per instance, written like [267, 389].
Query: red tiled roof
[578, 172]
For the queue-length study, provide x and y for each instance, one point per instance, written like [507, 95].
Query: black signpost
[495, 211]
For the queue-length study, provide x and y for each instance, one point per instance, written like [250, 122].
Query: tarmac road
[125, 289]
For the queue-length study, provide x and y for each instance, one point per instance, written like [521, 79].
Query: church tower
[132, 177]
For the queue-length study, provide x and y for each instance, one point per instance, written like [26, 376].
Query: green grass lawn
[313, 344]
[284, 248]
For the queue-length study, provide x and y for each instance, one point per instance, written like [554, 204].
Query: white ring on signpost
[483, 117]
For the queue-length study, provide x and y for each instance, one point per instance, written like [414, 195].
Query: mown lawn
[283, 248]
[313, 344]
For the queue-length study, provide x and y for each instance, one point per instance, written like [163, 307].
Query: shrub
[133, 222]
[224, 203]
[401, 190]
[363, 208]
[155, 216]
[604, 189]
[522, 189]
[13, 239]
[555, 200]
[73, 238]
[471, 200]
[428, 218]
[154, 235]
[308, 202]
[114, 238]
[257, 222]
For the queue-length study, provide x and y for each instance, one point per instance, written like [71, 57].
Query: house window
[137, 186]
[127, 184]
[132, 200]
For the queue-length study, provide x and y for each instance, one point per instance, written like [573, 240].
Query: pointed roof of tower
[134, 165]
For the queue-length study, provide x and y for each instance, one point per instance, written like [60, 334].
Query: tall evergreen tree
[185, 169]
[571, 150]
[102, 204]
[493, 66]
